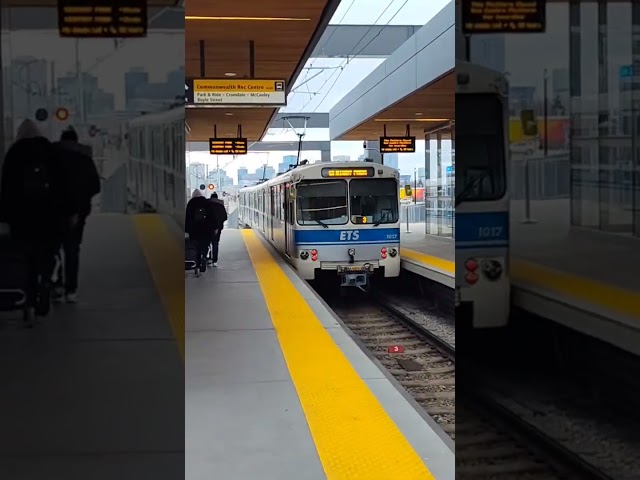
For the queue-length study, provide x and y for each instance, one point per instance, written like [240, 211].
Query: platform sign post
[228, 146]
[102, 18]
[397, 145]
[224, 92]
[508, 16]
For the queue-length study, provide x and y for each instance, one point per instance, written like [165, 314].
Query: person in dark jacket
[200, 223]
[38, 204]
[221, 217]
[80, 165]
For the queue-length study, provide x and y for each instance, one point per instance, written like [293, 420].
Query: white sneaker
[72, 298]
[215, 264]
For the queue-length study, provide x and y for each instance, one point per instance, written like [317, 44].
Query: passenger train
[156, 168]
[483, 280]
[340, 218]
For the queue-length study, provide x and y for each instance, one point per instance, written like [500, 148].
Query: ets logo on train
[348, 235]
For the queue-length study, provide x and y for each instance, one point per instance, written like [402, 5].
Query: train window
[374, 200]
[322, 202]
[280, 201]
[481, 158]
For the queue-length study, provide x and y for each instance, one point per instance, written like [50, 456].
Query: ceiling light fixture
[411, 120]
[230, 74]
[229, 114]
[247, 19]
[418, 113]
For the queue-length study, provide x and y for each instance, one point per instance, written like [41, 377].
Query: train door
[272, 210]
[288, 223]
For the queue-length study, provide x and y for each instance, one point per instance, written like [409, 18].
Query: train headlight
[304, 254]
[393, 252]
[492, 269]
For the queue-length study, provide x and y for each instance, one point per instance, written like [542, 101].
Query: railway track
[493, 442]
[420, 361]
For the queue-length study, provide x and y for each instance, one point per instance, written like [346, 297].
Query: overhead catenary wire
[349, 58]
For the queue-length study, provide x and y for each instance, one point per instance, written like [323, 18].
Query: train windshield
[322, 202]
[374, 200]
[480, 155]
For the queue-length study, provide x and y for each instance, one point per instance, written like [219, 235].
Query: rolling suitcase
[190, 254]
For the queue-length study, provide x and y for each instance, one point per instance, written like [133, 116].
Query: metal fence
[548, 178]
[439, 220]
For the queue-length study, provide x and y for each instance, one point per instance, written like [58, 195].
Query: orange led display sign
[487, 16]
[397, 144]
[228, 146]
[347, 172]
[102, 18]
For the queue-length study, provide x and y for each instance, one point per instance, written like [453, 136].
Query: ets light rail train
[156, 167]
[338, 218]
[483, 281]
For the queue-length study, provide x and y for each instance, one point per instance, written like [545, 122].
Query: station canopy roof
[284, 33]
[429, 108]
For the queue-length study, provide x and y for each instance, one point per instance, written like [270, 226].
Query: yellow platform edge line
[165, 259]
[429, 260]
[354, 436]
[596, 293]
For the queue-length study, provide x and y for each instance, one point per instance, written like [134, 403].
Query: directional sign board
[228, 146]
[233, 93]
[509, 16]
[397, 144]
[102, 18]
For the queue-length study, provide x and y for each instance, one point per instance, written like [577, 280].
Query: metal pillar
[372, 151]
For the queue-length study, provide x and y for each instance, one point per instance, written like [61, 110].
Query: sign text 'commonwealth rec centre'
[102, 18]
[234, 93]
[397, 144]
[509, 16]
[228, 146]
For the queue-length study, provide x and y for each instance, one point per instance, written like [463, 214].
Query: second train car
[340, 217]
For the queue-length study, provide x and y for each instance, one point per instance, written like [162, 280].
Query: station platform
[586, 280]
[276, 388]
[429, 256]
[96, 390]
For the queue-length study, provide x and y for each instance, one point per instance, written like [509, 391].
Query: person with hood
[221, 217]
[37, 203]
[200, 222]
[79, 163]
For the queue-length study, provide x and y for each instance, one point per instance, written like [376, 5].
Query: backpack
[200, 216]
[36, 179]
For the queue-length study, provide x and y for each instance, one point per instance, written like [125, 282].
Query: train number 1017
[490, 232]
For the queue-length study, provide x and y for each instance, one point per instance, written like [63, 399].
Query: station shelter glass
[439, 183]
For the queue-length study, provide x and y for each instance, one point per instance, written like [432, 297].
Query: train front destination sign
[235, 93]
[510, 16]
[397, 144]
[102, 18]
[228, 146]
[348, 172]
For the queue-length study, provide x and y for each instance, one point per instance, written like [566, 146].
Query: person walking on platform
[37, 202]
[221, 217]
[200, 222]
[79, 164]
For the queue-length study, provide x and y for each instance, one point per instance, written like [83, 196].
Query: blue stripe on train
[482, 230]
[347, 236]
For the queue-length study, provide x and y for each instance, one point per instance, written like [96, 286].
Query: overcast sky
[328, 91]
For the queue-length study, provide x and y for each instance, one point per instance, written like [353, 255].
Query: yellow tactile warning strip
[612, 298]
[429, 260]
[354, 436]
[165, 258]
